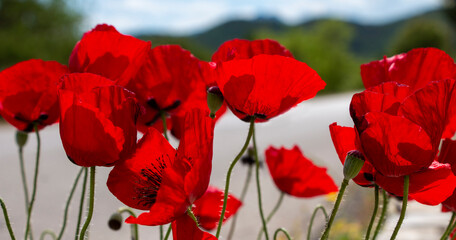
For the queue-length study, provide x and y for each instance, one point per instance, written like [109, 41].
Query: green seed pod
[353, 164]
[21, 138]
[214, 100]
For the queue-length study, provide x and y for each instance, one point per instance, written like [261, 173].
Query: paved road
[305, 125]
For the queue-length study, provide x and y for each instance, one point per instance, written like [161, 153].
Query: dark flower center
[152, 179]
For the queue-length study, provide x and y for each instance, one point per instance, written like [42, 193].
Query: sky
[184, 17]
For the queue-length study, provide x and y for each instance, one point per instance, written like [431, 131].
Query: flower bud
[353, 164]
[214, 99]
[21, 138]
[115, 221]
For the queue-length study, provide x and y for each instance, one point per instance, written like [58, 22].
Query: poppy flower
[106, 52]
[28, 93]
[265, 86]
[97, 120]
[185, 228]
[164, 180]
[170, 82]
[296, 175]
[207, 209]
[244, 49]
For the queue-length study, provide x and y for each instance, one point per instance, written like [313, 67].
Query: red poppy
[28, 93]
[106, 52]
[209, 207]
[265, 86]
[244, 49]
[163, 180]
[170, 82]
[97, 120]
[296, 175]
[185, 228]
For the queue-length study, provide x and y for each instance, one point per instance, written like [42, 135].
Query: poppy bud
[353, 164]
[115, 221]
[214, 99]
[21, 138]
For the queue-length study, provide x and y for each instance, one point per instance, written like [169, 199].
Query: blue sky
[180, 17]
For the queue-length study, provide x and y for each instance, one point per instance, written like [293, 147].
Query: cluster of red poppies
[116, 85]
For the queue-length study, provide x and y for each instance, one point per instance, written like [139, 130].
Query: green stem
[81, 203]
[404, 207]
[282, 230]
[91, 204]
[5, 215]
[165, 129]
[67, 206]
[24, 177]
[382, 218]
[48, 232]
[168, 232]
[243, 194]
[161, 232]
[449, 227]
[133, 227]
[35, 180]
[192, 216]
[374, 213]
[334, 211]
[260, 204]
[228, 176]
[309, 230]
[271, 214]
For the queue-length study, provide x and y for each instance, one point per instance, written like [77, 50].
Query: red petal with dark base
[28, 93]
[243, 49]
[396, 146]
[448, 153]
[449, 204]
[185, 228]
[266, 85]
[209, 207]
[106, 52]
[296, 175]
[430, 186]
[346, 139]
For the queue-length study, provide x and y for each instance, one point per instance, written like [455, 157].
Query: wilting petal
[346, 139]
[185, 228]
[396, 146]
[209, 207]
[296, 175]
[243, 49]
[430, 186]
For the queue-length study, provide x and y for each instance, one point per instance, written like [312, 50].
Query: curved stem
[382, 218]
[404, 207]
[309, 230]
[449, 227]
[271, 214]
[91, 204]
[168, 232]
[67, 206]
[24, 176]
[374, 213]
[334, 211]
[192, 216]
[257, 174]
[165, 130]
[81, 203]
[133, 227]
[282, 230]
[48, 232]
[35, 180]
[228, 176]
[244, 192]
[7, 221]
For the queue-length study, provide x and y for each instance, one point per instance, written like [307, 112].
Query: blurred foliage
[45, 29]
[325, 48]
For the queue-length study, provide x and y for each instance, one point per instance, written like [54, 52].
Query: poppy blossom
[185, 228]
[244, 49]
[28, 93]
[164, 180]
[170, 82]
[265, 86]
[207, 209]
[296, 175]
[106, 52]
[97, 122]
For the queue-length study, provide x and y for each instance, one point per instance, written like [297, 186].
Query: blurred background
[332, 36]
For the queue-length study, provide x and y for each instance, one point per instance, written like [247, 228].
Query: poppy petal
[244, 49]
[185, 228]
